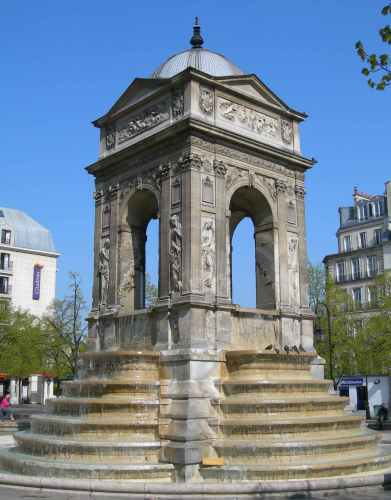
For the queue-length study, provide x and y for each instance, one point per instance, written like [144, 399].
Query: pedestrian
[5, 406]
[382, 415]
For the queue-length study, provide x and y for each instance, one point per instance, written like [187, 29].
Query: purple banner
[37, 282]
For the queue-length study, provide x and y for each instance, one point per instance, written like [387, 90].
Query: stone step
[135, 408]
[240, 428]
[247, 388]
[266, 450]
[238, 407]
[98, 428]
[20, 463]
[96, 387]
[309, 469]
[111, 363]
[252, 364]
[113, 451]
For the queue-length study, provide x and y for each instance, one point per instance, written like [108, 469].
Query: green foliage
[66, 330]
[151, 292]
[316, 285]
[23, 344]
[379, 64]
[360, 339]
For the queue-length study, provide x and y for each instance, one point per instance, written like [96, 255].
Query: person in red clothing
[5, 406]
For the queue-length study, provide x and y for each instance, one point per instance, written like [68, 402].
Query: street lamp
[330, 344]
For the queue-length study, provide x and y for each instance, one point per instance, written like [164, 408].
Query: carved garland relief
[175, 254]
[293, 269]
[206, 101]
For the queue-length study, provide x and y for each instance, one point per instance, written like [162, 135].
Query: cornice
[189, 125]
[10, 248]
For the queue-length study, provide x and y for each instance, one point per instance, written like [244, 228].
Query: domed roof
[197, 57]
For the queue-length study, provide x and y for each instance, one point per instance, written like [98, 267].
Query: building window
[372, 265]
[356, 269]
[347, 243]
[357, 296]
[378, 236]
[5, 262]
[363, 240]
[372, 295]
[340, 275]
[4, 285]
[6, 236]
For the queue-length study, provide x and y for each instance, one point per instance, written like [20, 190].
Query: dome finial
[196, 40]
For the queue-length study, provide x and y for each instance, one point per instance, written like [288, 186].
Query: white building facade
[28, 262]
[364, 248]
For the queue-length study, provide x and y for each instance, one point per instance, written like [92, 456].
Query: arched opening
[248, 202]
[152, 263]
[135, 261]
[243, 258]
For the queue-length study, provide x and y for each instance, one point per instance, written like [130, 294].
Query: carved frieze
[233, 175]
[141, 122]
[286, 131]
[189, 161]
[110, 137]
[219, 168]
[248, 118]
[208, 253]
[177, 104]
[175, 254]
[281, 186]
[206, 101]
[299, 192]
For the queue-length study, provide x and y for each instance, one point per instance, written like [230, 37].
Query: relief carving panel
[208, 254]
[142, 121]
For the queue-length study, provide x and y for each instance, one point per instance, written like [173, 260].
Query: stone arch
[138, 208]
[250, 201]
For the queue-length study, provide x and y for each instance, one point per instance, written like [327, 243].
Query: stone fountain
[195, 390]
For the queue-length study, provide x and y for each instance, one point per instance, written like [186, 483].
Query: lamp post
[330, 344]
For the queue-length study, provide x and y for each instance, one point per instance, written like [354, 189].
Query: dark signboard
[37, 282]
[352, 381]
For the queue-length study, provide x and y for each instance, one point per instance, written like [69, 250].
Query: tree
[316, 285]
[377, 64]
[23, 344]
[151, 292]
[67, 329]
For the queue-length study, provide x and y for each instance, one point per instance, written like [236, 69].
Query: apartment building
[28, 262]
[364, 247]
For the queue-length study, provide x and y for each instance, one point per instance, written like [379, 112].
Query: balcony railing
[6, 266]
[357, 275]
[6, 290]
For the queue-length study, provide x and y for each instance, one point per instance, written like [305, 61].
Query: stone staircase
[276, 422]
[272, 421]
[106, 426]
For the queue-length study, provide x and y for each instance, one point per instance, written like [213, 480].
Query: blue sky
[64, 63]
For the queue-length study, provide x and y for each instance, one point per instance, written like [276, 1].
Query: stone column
[164, 234]
[138, 241]
[191, 224]
[222, 278]
[303, 259]
[97, 242]
[264, 266]
[112, 289]
[283, 243]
